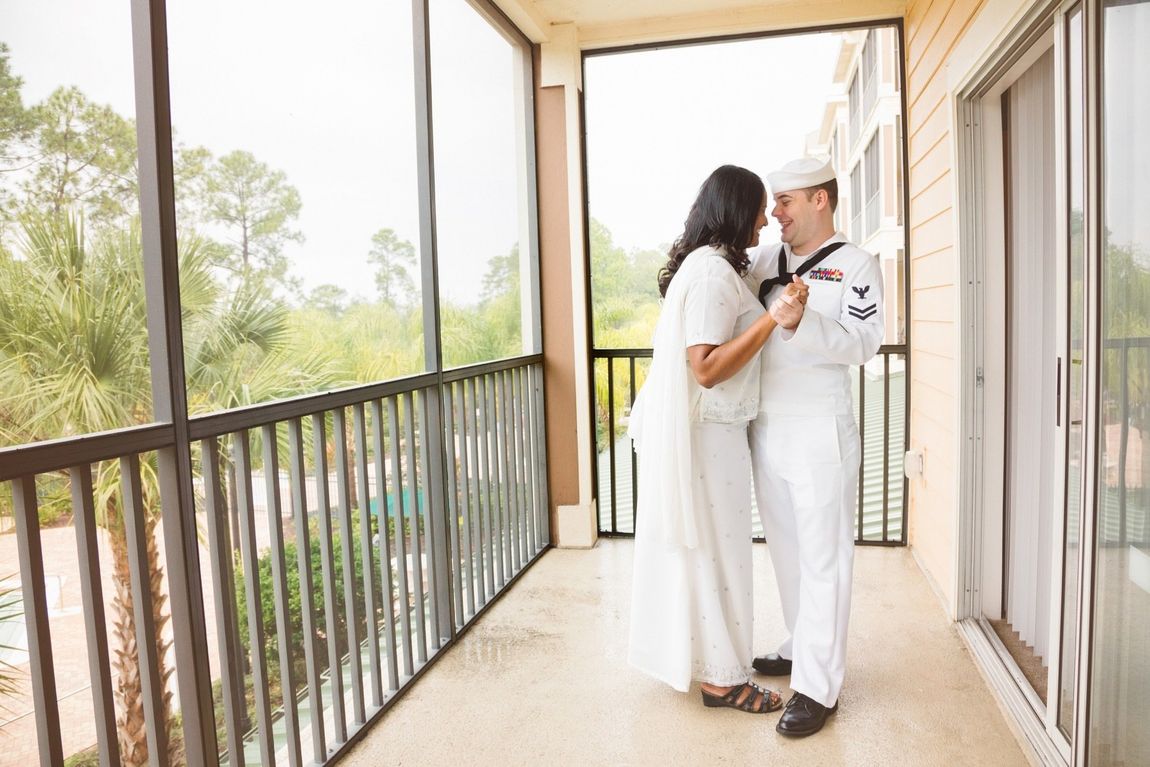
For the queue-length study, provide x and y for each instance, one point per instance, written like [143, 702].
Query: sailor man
[804, 442]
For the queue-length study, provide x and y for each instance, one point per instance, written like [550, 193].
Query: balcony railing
[345, 539]
[880, 392]
[1123, 488]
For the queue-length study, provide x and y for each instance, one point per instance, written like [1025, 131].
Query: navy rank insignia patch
[828, 275]
[861, 292]
[863, 312]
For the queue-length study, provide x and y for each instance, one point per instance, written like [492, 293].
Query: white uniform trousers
[806, 482]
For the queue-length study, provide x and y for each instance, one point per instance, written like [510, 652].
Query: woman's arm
[714, 364]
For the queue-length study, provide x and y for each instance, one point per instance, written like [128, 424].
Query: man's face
[798, 215]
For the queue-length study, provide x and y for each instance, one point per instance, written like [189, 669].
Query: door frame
[982, 384]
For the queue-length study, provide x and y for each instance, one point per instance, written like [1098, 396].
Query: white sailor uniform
[805, 453]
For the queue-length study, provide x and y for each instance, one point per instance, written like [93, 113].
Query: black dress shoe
[803, 716]
[772, 665]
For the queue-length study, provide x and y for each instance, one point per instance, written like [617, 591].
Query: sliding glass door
[1061, 562]
[1119, 703]
[1031, 508]
[1075, 357]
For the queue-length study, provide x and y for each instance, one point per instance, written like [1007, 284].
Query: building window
[869, 70]
[853, 107]
[834, 147]
[898, 172]
[871, 181]
[856, 204]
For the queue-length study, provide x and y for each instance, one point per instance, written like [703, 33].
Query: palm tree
[74, 359]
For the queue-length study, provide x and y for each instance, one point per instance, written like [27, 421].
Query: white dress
[691, 604]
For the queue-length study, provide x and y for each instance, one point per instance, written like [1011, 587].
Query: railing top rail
[66, 452]
[468, 371]
[1136, 342]
[601, 354]
[253, 416]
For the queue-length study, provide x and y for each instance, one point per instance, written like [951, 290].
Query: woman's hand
[798, 289]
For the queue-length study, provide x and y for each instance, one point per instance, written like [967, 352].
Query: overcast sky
[659, 121]
[328, 98]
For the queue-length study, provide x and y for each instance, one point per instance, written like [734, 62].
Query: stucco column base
[577, 528]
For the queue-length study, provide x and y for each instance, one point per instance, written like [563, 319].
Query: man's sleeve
[855, 335]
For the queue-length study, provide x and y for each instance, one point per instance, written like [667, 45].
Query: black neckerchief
[784, 277]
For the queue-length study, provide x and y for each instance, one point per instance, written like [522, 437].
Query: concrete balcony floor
[542, 679]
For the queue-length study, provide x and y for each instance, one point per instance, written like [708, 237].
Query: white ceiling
[605, 23]
[585, 13]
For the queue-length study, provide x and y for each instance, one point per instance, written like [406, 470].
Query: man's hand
[787, 309]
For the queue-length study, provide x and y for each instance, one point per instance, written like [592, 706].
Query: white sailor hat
[801, 174]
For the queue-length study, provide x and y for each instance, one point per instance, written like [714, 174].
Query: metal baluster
[611, 447]
[494, 489]
[454, 507]
[224, 579]
[541, 457]
[429, 482]
[43, 673]
[529, 460]
[885, 443]
[507, 424]
[347, 553]
[483, 577]
[400, 537]
[634, 455]
[95, 622]
[307, 594]
[540, 477]
[241, 457]
[136, 530]
[327, 565]
[384, 544]
[280, 593]
[365, 550]
[465, 499]
[518, 451]
[416, 538]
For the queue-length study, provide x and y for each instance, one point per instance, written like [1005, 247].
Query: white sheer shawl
[660, 422]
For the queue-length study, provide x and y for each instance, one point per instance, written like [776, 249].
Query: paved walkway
[18, 745]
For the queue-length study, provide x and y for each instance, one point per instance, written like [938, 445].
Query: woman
[691, 607]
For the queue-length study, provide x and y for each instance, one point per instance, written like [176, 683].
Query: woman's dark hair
[723, 216]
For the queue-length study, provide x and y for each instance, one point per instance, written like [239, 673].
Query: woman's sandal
[747, 697]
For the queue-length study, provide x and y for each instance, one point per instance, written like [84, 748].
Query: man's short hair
[831, 188]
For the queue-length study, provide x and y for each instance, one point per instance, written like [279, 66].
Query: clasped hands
[787, 309]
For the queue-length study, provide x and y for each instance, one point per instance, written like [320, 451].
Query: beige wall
[933, 29]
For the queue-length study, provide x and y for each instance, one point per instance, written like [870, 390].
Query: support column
[564, 278]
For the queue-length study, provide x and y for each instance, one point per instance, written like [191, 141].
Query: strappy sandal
[747, 697]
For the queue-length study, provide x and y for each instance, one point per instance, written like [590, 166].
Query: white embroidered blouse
[719, 306]
[706, 303]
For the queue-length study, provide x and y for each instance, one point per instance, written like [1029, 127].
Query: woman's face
[760, 222]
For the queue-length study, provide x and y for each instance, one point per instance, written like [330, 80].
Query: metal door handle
[1058, 395]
